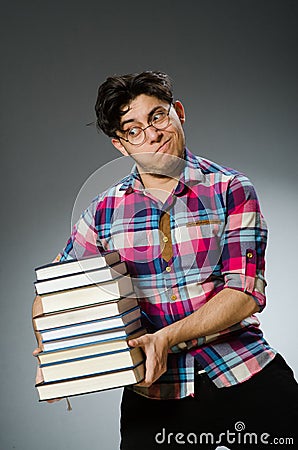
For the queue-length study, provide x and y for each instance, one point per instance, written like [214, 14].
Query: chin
[166, 166]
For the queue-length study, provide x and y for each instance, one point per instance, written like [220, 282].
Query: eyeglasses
[137, 135]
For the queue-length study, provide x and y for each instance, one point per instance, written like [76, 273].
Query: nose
[153, 134]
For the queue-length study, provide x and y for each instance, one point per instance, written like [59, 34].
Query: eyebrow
[150, 114]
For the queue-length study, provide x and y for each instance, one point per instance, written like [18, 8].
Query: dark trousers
[261, 411]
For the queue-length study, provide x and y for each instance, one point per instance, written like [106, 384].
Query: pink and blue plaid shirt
[218, 237]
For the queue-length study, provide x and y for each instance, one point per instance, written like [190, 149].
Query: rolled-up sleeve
[244, 241]
[83, 241]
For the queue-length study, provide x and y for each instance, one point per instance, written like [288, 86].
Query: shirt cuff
[253, 286]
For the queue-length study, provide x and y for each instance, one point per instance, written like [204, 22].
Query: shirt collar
[132, 181]
[192, 174]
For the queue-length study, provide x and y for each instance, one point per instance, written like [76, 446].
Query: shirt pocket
[135, 239]
[198, 242]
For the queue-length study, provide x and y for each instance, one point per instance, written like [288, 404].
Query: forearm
[225, 309]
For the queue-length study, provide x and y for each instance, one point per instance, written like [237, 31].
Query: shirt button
[165, 239]
[249, 255]
[168, 269]
[173, 297]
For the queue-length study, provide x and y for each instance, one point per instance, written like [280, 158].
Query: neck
[155, 181]
[163, 178]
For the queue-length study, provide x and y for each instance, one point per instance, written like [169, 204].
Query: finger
[144, 384]
[39, 376]
[132, 343]
[150, 374]
[36, 351]
[141, 341]
[135, 343]
[54, 400]
[150, 378]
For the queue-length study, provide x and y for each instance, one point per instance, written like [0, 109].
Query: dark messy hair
[118, 91]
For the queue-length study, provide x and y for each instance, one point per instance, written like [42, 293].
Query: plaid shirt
[208, 235]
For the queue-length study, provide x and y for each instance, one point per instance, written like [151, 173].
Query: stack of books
[83, 317]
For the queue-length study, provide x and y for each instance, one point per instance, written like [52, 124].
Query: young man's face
[161, 148]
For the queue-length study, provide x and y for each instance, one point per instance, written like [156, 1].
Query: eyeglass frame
[144, 129]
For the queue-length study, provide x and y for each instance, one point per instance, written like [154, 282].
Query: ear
[179, 108]
[118, 145]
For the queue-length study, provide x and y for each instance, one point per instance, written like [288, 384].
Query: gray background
[234, 64]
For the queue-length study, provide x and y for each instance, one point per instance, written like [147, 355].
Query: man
[193, 237]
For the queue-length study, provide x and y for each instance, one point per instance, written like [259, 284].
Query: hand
[155, 347]
[39, 376]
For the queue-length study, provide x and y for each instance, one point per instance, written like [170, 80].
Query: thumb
[134, 343]
[138, 342]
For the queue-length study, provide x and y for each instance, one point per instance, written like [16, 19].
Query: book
[120, 333]
[86, 313]
[58, 269]
[92, 365]
[80, 279]
[83, 317]
[114, 345]
[91, 326]
[82, 296]
[89, 384]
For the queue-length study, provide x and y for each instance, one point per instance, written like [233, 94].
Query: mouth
[163, 147]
